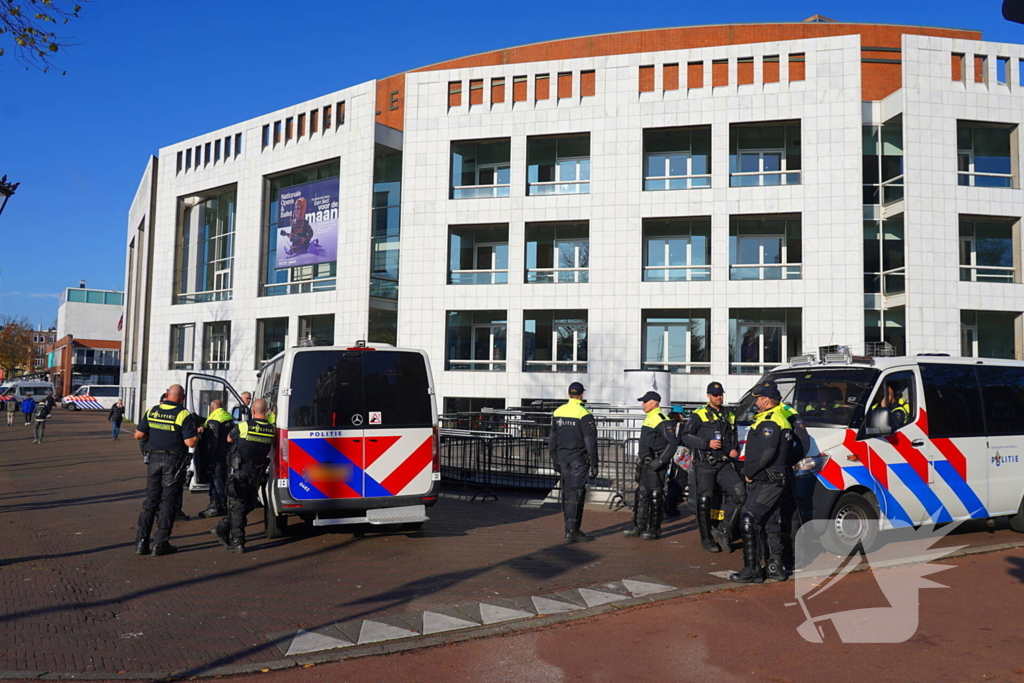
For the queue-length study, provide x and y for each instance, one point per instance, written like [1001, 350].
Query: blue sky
[147, 74]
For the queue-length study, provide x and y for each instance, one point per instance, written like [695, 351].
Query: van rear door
[200, 390]
[360, 424]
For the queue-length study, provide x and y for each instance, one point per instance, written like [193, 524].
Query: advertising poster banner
[307, 224]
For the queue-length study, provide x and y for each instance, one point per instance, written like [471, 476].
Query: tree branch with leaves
[32, 26]
[15, 344]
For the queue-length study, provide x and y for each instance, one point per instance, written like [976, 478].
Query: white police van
[955, 452]
[92, 397]
[21, 389]
[357, 437]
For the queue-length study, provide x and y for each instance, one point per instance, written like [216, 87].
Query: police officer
[899, 409]
[251, 441]
[764, 469]
[215, 444]
[657, 446]
[676, 478]
[171, 432]
[572, 444]
[779, 528]
[711, 433]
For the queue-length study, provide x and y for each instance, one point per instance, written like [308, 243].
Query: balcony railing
[687, 182]
[985, 179]
[548, 275]
[676, 273]
[478, 365]
[892, 190]
[479, 191]
[383, 289]
[322, 285]
[203, 297]
[554, 366]
[751, 368]
[478, 277]
[558, 187]
[680, 368]
[986, 274]
[763, 271]
[763, 178]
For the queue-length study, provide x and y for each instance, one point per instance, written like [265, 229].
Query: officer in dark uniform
[251, 441]
[780, 526]
[899, 409]
[766, 461]
[711, 433]
[215, 444]
[171, 432]
[572, 445]
[657, 446]
[676, 477]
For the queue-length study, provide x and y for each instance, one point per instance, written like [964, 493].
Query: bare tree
[29, 23]
[15, 344]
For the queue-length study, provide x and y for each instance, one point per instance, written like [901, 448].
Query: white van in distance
[19, 390]
[906, 440]
[93, 397]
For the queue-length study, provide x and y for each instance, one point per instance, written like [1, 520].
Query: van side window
[896, 393]
[954, 400]
[1002, 389]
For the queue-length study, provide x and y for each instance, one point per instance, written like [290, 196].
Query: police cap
[576, 388]
[715, 389]
[650, 396]
[768, 389]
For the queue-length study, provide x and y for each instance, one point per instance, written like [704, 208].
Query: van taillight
[436, 463]
[281, 463]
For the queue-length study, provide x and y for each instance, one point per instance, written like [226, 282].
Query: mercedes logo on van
[357, 419]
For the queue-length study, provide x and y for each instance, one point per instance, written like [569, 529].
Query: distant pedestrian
[11, 407]
[28, 406]
[115, 417]
[39, 416]
[50, 401]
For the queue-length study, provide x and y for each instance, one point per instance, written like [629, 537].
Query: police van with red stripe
[357, 435]
[93, 397]
[907, 441]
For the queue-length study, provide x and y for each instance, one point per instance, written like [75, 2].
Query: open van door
[200, 391]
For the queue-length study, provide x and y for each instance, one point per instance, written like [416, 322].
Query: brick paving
[76, 599]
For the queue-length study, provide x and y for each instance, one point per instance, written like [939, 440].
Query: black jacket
[573, 434]
[701, 427]
[116, 414]
[768, 445]
[658, 440]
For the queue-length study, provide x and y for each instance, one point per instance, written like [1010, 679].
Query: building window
[557, 252]
[885, 332]
[313, 275]
[481, 169]
[764, 247]
[761, 338]
[677, 341]
[467, 404]
[205, 247]
[884, 262]
[217, 346]
[386, 233]
[987, 251]
[316, 330]
[989, 334]
[478, 255]
[677, 158]
[764, 154]
[677, 249]
[555, 341]
[271, 339]
[558, 164]
[883, 162]
[984, 158]
[476, 340]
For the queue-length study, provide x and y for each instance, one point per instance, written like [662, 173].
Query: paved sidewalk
[76, 599]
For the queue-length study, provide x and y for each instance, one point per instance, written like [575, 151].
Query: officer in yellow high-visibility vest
[572, 443]
[899, 409]
[170, 431]
[658, 442]
[766, 458]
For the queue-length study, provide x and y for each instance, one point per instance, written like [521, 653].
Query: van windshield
[824, 397]
[359, 389]
[5, 389]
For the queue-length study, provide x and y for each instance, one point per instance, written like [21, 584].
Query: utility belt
[167, 454]
[771, 477]
[714, 457]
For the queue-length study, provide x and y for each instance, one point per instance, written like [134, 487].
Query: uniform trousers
[163, 491]
[574, 491]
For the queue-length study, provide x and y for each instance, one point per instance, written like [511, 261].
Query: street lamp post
[6, 191]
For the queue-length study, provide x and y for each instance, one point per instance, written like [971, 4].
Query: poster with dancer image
[307, 224]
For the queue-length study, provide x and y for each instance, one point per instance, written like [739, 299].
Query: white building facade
[710, 211]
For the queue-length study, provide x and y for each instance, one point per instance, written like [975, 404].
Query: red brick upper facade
[879, 79]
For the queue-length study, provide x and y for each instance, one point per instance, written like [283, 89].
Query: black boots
[236, 546]
[704, 524]
[723, 533]
[751, 572]
[212, 511]
[162, 549]
[221, 532]
[142, 547]
[775, 569]
[181, 517]
[578, 537]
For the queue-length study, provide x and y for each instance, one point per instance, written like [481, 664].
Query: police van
[906, 441]
[357, 437]
[22, 389]
[92, 397]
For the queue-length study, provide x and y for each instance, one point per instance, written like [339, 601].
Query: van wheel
[277, 525]
[1017, 520]
[70, 406]
[853, 522]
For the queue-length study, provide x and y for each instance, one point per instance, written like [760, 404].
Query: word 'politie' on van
[906, 441]
[93, 397]
[20, 390]
[357, 435]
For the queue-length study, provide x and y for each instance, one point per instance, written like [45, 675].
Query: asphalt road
[75, 599]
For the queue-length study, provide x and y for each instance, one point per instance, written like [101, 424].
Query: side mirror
[878, 423]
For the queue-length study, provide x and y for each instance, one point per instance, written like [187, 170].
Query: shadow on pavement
[1016, 568]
